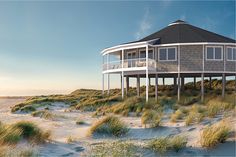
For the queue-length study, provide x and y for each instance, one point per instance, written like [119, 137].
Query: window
[143, 54]
[214, 53]
[231, 54]
[167, 54]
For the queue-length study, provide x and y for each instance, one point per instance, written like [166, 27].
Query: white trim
[230, 47]
[209, 46]
[170, 72]
[197, 43]
[143, 44]
[167, 52]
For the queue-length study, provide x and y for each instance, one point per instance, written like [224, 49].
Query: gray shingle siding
[214, 65]
[191, 58]
[167, 66]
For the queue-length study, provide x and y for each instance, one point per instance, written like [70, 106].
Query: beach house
[177, 51]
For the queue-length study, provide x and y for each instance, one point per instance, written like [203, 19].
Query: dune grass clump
[31, 131]
[215, 134]
[28, 108]
[114, 149]
[110, 125]
[178, 142]
[80, 122]
[177, 115]
[9, 135]
[132, 104]
[19, 151]
[162, 145]
[43, 114]
[151, 118]
[195, 114]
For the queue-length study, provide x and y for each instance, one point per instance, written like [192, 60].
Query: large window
[231, 54]
[167, 54]
[142, 54]
[214, 53]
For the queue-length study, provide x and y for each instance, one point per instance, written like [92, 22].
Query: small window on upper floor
[231, 54]
[214, 53]
[167, 54]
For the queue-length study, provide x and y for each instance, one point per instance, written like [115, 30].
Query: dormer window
[231, 54]
[214, 53]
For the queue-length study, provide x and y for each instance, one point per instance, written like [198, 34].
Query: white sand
[66, 126]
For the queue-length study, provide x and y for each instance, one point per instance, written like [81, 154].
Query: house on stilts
[177, 51]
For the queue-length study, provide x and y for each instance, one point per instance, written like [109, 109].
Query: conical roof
[182, 32]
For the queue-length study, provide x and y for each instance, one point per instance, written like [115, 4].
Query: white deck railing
[129, 63]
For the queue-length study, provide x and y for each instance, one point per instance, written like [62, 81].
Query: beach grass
[110, 125]
[215, 134]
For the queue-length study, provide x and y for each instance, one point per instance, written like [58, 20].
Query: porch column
[178, 86]
[108, 84]
[223, 85]
[163, 81]
[122, 73]
[194, 82]
[156, 87]
[127, 84]
[182, 82]
[147, 80]
[210, 82]
[175, 84]
[102, 84]
[202, 87]
[138, 85]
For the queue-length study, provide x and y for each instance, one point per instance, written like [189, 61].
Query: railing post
[147, 83]
[122, 73]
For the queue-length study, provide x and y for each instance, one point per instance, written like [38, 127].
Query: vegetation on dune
[31, 131]
[215, 134]
[11, 135]
[110, 125]
[177, 115]
[80, 122]
[12, 151]
[114, 149]
[151, 118]
[47, 115]
[162, 145]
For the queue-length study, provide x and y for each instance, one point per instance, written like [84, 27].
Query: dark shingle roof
[182, 32]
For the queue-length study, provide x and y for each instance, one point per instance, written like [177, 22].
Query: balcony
[129, 63]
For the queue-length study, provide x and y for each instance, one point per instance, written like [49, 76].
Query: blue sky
[54, 47]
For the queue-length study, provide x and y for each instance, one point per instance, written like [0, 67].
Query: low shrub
[80, 122]
[161, 145]
[28, 108]
[114, 149]
[178, 143]
[177, 115]
[151, 118]
[110, 125]
[213, 110]
[31, 131]
[9, 135]
[43, 114]
[217, 133]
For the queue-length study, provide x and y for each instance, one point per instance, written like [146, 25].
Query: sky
[53, 47]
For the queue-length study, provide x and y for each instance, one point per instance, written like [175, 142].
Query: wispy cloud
[144, 25]
[209, 23]
[183, 17]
